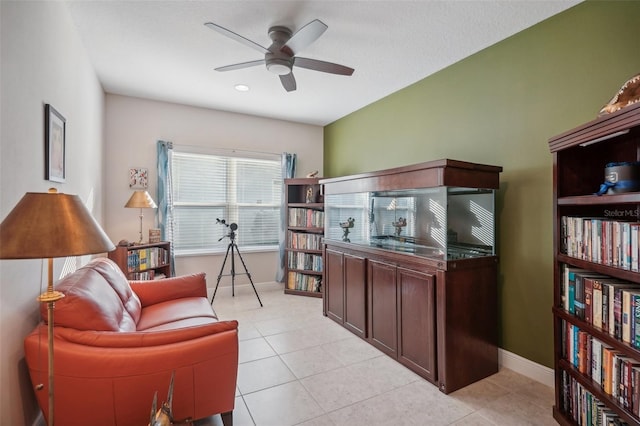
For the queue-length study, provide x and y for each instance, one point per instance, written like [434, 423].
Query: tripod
[230, 248]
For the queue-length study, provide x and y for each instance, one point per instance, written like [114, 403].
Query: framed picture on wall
[138, 178]
[54, 144]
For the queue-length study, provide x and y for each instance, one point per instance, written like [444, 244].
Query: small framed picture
[54, 144]
[138, 178]
[154, 235]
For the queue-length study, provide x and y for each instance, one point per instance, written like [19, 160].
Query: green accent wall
[500, 107]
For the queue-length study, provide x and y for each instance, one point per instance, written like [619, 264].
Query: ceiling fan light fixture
[279, 66]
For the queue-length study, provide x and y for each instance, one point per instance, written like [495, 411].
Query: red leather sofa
[117, 342]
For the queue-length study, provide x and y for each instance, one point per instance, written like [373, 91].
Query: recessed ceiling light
[242, 87]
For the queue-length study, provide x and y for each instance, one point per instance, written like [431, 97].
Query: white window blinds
[242, 190]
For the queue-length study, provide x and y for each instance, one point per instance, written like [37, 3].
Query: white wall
[42, 61]
[133, 126]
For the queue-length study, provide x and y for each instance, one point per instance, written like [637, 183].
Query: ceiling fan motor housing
[277, 61]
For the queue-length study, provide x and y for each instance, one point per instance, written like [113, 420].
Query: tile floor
[298, 367]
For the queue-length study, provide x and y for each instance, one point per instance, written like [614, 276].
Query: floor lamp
[49, 225]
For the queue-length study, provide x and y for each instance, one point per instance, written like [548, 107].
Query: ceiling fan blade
[288, 82]
[316, 65]
[305, 36]
[237, 37]
[241, 65]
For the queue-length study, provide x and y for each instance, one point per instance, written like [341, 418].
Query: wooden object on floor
[305, 228]
[430, 310]
[580, 156]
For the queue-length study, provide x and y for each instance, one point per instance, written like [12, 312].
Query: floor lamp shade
[49, 225]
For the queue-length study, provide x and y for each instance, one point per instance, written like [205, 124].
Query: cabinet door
[355, 319]
[334, 285]
[383, 324]
[416, 322]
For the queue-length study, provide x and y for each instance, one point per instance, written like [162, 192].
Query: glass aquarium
[445, 222]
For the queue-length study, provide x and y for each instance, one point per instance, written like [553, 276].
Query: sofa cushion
[97, 297]
[177, 313]
[120, 284]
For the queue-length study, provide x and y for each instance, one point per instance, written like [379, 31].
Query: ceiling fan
[280, 57]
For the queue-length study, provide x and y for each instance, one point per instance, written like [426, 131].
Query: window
[245, 191]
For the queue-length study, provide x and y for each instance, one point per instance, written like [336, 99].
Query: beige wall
[133, 126]
[42, 61]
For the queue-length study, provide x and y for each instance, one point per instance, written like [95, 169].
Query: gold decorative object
[142, 200]
[164, 415]
[49, 225]
[628, 94]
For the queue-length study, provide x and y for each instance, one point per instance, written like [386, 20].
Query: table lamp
[142, 200]
[49, 225]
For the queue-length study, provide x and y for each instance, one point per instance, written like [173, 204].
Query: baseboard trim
[526, 367]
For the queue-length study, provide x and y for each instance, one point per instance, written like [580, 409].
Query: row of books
[609, 304]
[305, 261]
[143, 259]
[306, 217]
[584, 408]
[297, 281]
[617, 374]
[300, 240]
[609, 242]
[147, 275]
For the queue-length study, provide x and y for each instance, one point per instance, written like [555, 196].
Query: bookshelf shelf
[305, 230]
[596, 348]
[581, 200]
[144, 261]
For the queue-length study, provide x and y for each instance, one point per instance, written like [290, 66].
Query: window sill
[223, 250]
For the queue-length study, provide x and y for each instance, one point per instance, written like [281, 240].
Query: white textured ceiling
[161, 50]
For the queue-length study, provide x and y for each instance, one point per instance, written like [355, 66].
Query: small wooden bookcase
[144, 261]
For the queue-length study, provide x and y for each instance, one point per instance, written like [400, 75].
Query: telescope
[233, 247]
[233, 225]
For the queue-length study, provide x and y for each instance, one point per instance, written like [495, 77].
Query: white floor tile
[263, 373]
[297, 367]
[284, 405]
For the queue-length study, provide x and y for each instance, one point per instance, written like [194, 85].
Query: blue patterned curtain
[288, 171]
[164, 197]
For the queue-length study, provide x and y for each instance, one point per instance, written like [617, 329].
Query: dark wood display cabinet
[596, 291]
[143, 261]
[410, 266]
[305, 228]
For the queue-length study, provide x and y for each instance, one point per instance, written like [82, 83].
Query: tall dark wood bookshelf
[305, 230]
[594, 362]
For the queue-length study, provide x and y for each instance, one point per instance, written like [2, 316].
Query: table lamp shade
[142, 200]
[48, 225]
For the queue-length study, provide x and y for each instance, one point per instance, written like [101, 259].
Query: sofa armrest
[142, 339]
[116, 385]
[156, 291]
